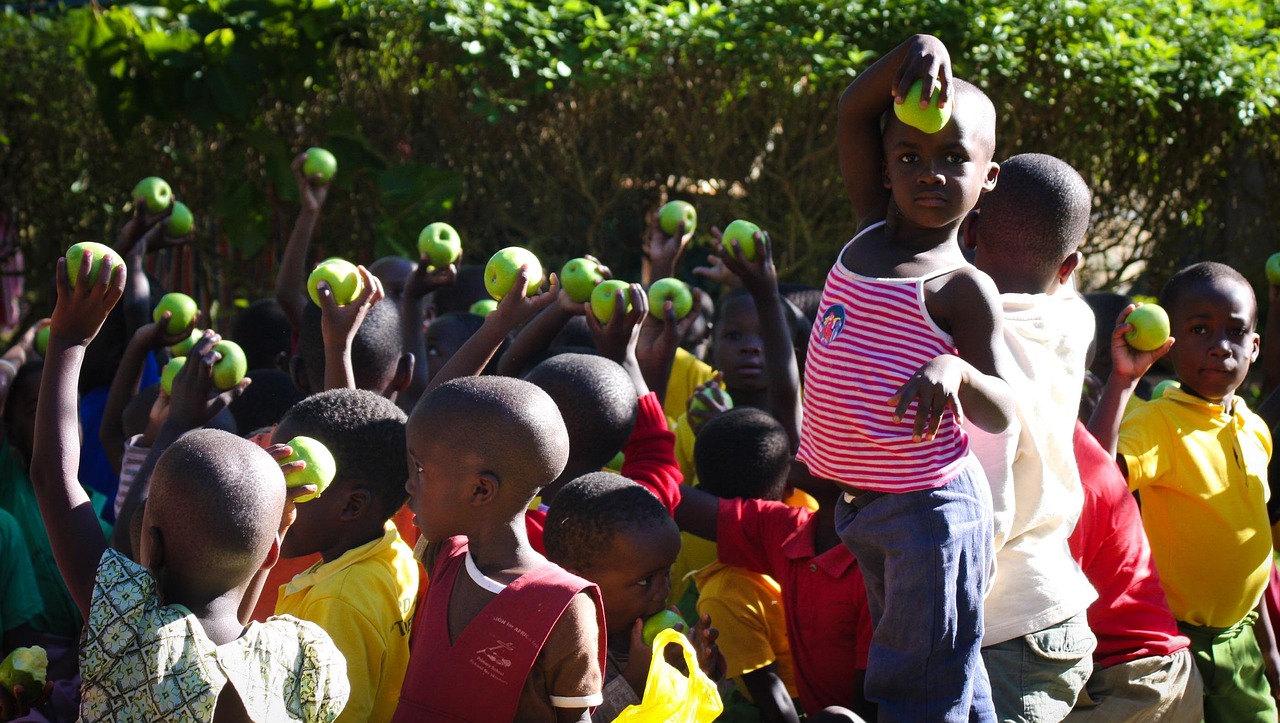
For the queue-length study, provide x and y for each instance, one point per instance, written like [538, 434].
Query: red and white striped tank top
[870, 336]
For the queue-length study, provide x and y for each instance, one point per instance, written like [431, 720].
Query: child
[514, 637]
[1197, 459]
[163, 639]
[906, 335]
[616, 533]
[1037, 641]
[362, 592]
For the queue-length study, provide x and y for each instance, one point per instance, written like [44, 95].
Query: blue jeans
[926, 558]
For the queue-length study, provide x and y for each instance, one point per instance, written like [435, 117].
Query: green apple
[320, 467]
[579, 278]
[27, 667]
[696, 403]
[75, 256]
[231, 366]
[483, 307]
[675, 290]
[603, 299]
[930, 119]
[180, 221]
[182, 312]
[440, 244]
[170, 372]
[500, 273]
[615, 464]
[1164, 386]
[744, 232]
[343, 278]
[674, 213]
[319, 161]
[183, 347]
[658, 623]
[155, 193]
[42, 340]
[1273, 269]
[1150, 327]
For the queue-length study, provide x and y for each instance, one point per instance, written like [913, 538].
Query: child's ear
[969, 240]
[155, 550]
[484, 488]
[273, 554]
[298, 373]
[1069, 266]
[356, 503]
[993, 172]
[404, 373]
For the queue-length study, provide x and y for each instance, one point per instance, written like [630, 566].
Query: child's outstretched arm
[74, 534]
[538, 334]
[142, 233]
[338, 327]
[1127, 367]
[863, 103]
[291, 281]
[514, 309]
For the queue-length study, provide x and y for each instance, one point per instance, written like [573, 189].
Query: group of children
[931, 531]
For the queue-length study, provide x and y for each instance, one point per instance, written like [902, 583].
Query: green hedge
[559, 124]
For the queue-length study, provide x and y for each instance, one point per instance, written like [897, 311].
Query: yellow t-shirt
[364, 600]
[1201, 475]
[746, 607]
[687, 372]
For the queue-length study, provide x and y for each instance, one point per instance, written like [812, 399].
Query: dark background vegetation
[559, 124]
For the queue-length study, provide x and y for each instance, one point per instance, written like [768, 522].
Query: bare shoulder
[963, 297]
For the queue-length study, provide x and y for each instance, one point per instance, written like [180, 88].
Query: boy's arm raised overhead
[74, 533]
[338, 327]
[291, 281]
[862, 104]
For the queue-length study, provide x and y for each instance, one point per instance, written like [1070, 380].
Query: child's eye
[956, 158]
[433, 351]
[733, 336]
[1239, 332]
[908, 158]
[645, 582]
[1198, 330]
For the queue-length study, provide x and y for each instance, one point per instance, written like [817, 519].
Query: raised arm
[69, 517]
[291, 281]
[862, 104]
[338, 327]
[1127, 367]
[537, 335]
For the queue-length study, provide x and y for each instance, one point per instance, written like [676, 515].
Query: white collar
[480, 578]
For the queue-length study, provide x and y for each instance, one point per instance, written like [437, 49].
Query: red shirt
[823, 596]
[650, 460]
[1131, 617]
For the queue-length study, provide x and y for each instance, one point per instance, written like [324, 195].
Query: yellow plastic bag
[670, 697]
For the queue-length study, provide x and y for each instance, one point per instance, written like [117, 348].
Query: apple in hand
[483, 307]
[42, 341]
[744, 232]
[500, 273]
[26, 667]
[1273, 269]
[232, 365]
[440, 244]
[603, 299]
[343, 278]
[183, 347]
[675, 290]
[697, 405]
[674, 213]
[1150, 327]
[182, 312]
[320, 468]
[101, 253]
[319, 161]
[579, 278]
[170, 372]
[930, 119]
[180, 221]
[658, 623]
[155, 193]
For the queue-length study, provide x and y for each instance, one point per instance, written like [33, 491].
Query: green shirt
[19, 598]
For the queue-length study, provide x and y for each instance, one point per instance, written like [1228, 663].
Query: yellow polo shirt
[746, 608]
[364, 600]
[1201, 475]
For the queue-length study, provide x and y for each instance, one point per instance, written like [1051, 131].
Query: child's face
[739, 346]
[433, 480]
[936, 178]
[1213, 324]
[444, 338]
[634, 575]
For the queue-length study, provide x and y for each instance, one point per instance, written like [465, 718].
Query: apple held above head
[182, 312]
[322, 162]
[100, 253]
[500, 273]
[231, 366]
[343, 278]
[155, 193]
[320, 468]
[170, 372]
[675, 290]
[440, 244]
[657, 623]
[1273, 269]
[1150, 327]
[183, 347]
[42, 341]
[180, 221]
[930, 119]
[603, 299]
[579, 278]
[744, 232]
[483, 307]
[671, 215]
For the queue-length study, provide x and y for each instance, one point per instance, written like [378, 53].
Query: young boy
[163, 639]
[1197, 459]
[362, 592]
[514, 637]
[906, 335]
[1037, 641]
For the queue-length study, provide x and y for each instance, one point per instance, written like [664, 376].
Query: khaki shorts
[1160, 688]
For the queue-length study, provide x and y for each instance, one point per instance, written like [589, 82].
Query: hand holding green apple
[320, 166]
[182, 312]
[501, 271]
[183, 347]
[604, 299]
[579, 277]
[673, 290]
[231, 365]
[98, 255]
[26, 668]
[931, 118]
[320, 466]
[170, 372]
[440, 244]
[155, 193]
[1150, 327]
[343, 278]
[663, 620]
[739, 238]
[675, 213]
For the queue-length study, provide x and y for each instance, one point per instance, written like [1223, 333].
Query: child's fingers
[1125, 314]
[293, 493]
[279, 451]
